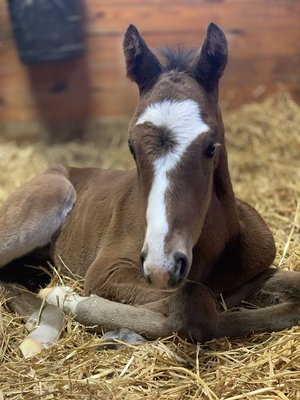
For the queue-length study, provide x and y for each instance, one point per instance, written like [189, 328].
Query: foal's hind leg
[34, 213]
[275, 292]
[271, 287]
[45, 321]
[28, 219]
[276, 287]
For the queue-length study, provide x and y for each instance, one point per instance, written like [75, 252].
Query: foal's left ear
[141, 64]
[210, 64]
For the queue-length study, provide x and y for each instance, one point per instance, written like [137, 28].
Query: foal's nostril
[181, 265]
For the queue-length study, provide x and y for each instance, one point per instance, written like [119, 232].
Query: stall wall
[264, 52]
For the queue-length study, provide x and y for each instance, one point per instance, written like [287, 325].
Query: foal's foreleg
[191, 312]
[33, 213]
[99, 313]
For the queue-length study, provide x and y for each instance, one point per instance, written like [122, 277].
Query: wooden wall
[264, 45]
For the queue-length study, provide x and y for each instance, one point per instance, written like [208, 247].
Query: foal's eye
[131, 149]
[211, 149]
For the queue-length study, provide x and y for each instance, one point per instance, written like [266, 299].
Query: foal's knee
[194, 313]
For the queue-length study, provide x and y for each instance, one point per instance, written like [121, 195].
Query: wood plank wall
[264, 45]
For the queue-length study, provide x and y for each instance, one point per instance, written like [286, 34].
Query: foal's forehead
[180, 117]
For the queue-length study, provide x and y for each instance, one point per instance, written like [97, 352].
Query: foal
[156, 245]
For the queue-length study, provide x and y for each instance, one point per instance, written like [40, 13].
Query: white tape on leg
[46, 328]
[63, 297]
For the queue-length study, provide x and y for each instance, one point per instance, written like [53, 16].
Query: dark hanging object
[47, 30]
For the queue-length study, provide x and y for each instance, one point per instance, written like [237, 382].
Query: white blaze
[183, 120]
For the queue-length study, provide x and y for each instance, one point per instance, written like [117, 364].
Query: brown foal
[157, 245]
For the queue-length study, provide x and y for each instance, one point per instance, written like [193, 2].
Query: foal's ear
[141, 64]
[210, 64]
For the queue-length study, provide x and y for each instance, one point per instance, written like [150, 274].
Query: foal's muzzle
[166, 277]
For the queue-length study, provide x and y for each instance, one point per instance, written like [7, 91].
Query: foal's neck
[221, 223]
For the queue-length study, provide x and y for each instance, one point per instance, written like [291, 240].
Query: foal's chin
[167, 290]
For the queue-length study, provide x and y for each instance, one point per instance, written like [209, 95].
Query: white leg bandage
[46, 327]
[63, 297]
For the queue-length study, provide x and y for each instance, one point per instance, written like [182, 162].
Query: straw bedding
[264, 147]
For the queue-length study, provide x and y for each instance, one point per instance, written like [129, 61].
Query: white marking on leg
[183, 119]
[63, 297]
[45, 327]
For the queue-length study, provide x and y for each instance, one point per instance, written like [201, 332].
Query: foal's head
[174, 137]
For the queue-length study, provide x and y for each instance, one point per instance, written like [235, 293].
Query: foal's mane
[179, 58]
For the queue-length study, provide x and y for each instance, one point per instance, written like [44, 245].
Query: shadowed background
[66, 99]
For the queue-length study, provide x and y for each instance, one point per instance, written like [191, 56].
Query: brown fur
[102, 237]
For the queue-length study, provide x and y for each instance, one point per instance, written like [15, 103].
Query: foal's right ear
[210, 64]
[141, 64]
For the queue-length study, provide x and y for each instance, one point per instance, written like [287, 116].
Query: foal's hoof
[121, 335]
